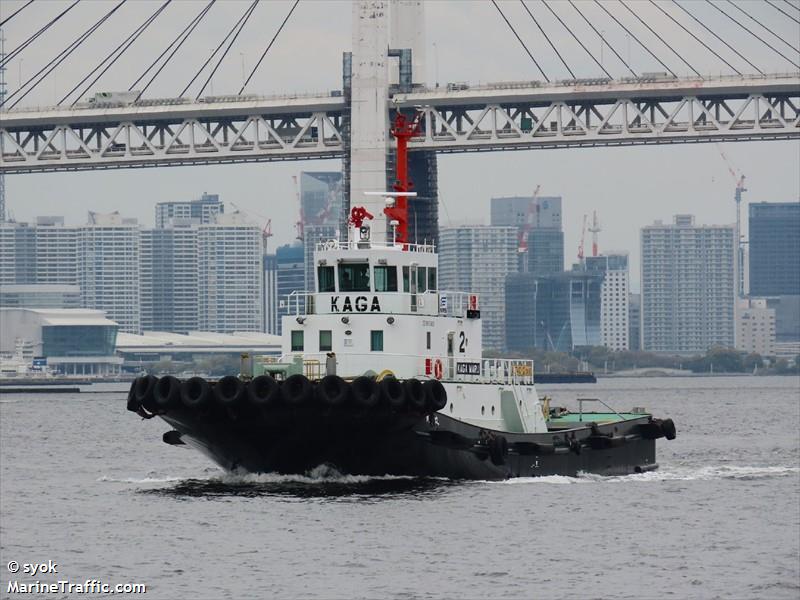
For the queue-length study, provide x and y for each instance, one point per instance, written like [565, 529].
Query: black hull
[295, 441]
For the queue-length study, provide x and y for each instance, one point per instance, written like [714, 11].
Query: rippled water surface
[88, 485]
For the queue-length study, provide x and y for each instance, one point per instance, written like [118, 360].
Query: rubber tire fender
[297, 390]
[195, 392]
[229, 390]
[145, 386]
[264, 391]
[167, 393]
[415, 394]
[391, 392]
[498, 450]
[365, 391]
[332, 390]
[668, 427]
[132, 404]
[435, 395]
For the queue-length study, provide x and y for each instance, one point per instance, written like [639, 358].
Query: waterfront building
[40, 295]
[688, 286]
[614, 305]
[67, 341]
[756, 323]
[477, 259]
[108, 268]
[201, 211]
[538, 220]
[321, 202]
[270, 295]
[230, 271]
[290, 277]
[774, 248]
[169, 279]
[635, 322]
[44, 252]
[556, 313]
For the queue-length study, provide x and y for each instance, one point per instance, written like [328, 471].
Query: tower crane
[266, 231]
[299, 224]
[594, 229]
[738, 177]
[583, 238]
[527, 225]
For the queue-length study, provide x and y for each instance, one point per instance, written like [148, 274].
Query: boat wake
[677, 473]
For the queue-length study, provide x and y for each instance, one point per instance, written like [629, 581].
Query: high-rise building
[270, 295]
[40, 295]
[230, 271]
[557, 313]
[756, 323]
[538, 220]
[108, 268]
[774, 248]
[477, 259]
[614, 317]
[635, 322]
[290, 278]
[201, 211]
[169, 279]
[45, 252]
[321, 200]
[56, 252]
[688, 286]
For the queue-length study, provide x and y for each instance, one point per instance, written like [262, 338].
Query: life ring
[437, 369]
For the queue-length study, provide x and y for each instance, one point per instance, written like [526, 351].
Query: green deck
[595, 417]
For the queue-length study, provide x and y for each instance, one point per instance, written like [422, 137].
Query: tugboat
[382, 373]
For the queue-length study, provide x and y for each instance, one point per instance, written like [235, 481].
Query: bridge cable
[31, 39]
[731, 48]
[661, 39]
[214, 53]
[740, 9]
[755, 35]
[706, 46]
[272, 41]
[797, 8]
[552, 45]
[61, 57]
[600, 35]
[189, 28]
[577, 39]
[225, 52]
[15, 13]
[127, 44]
[630, 33]
[519, 39]
[778, 8]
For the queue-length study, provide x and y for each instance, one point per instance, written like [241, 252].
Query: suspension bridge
[385, 73]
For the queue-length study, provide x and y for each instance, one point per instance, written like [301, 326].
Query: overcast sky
[467, 41]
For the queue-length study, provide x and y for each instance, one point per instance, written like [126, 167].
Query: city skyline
[630, 187]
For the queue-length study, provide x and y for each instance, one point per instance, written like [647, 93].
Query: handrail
[582, 400]
[361, 245]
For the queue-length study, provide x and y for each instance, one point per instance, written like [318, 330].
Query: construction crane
[594, 229]
[266, 231]
[738, 177]
[583, 238]
[299, 224]
[527, 225]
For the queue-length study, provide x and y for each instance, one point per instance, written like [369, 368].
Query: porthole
[483, 410]
[493, 410]
[451, 407]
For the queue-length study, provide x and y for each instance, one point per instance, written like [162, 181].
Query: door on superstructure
[450, 358]
[412, 282]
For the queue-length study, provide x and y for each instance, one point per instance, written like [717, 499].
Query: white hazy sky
[466, 41]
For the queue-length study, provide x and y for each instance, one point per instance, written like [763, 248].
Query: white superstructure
[378, 309]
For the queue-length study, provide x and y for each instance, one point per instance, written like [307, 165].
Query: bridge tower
[388, 56]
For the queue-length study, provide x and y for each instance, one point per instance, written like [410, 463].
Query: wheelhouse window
[431, 278]
[406, 288]
[327, 281]
[421, 281]
[385, 279]
[325, 341]
[297, 341]
[376, 341]
[354, 277]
